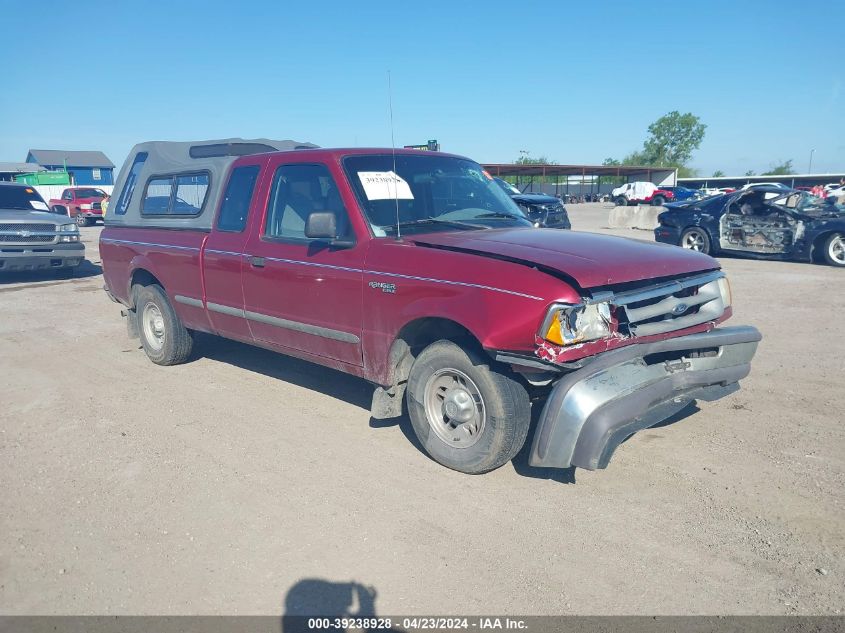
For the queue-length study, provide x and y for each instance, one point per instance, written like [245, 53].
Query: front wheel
[834, 250]
[81, 220]
[468, 416]
[621, 201]
[165, 340]
[696, 239]
[658, 201]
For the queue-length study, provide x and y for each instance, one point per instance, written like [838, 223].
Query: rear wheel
[834, 249]
[658, 201]
[165, 340]
[696, 239]
[468, 416]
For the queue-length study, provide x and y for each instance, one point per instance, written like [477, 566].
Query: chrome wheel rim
[153, 325]
[694, 241]
[454, 408]
[836, 250]
[80, 221]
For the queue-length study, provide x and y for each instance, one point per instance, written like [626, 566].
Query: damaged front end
[635, 357]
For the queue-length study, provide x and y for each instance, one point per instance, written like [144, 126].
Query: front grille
[40, 226]
[40, 233]
[670, 306]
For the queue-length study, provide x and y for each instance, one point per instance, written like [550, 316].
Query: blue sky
[575, 82]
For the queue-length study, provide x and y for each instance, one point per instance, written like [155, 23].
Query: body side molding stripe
[305, 328]
[188, 301]
[335, 335]
[109, 240]
[456, 283]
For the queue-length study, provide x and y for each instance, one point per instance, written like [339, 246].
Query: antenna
[393, 147]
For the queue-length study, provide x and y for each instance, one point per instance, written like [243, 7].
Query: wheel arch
[141, 276]
[415, 336]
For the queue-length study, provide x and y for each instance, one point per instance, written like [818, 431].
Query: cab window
[296, 192]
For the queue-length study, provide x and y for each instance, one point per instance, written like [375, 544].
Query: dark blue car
[762, 222]
[683, 193]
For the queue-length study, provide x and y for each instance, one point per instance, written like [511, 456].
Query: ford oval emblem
[680, 309]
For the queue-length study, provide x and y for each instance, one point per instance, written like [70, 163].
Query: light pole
[810, 168]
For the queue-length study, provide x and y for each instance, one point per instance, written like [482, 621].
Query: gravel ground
[245, 482]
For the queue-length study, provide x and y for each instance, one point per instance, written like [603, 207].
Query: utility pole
[810, 168]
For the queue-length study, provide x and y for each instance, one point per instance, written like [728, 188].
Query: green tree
[718, 173]
[673, 138]
[782, 169]
[750, 172]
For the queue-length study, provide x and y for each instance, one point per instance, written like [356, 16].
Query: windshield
[428, 193]
[90, 193]
[508, 187]
[21, 198]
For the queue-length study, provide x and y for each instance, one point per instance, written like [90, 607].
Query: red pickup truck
[82, 203]
[416, 272]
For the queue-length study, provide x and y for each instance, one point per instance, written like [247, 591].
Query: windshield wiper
[501, 214]
[455, 223]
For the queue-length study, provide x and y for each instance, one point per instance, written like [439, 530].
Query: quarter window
[131, 180]
[298, 191]
[237, 198]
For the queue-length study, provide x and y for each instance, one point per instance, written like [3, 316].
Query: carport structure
[589, 175]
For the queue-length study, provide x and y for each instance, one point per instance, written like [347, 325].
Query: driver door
[299, 293]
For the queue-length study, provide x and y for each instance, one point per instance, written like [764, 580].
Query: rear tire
[696, 239]
[468, 416]
[165, 340]
[834, 250]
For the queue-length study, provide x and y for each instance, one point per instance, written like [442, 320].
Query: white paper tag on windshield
[384, 185]
[37, 204]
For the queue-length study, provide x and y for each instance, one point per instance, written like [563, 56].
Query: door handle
[256, 262]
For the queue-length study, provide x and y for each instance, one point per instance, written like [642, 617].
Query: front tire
[658, 201]
[165, 340]
[834, 250]
[468, 416]
[696, 239]
[621, 202]
[81, 220]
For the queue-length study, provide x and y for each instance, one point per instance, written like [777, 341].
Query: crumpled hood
[534, 198]
[590, 259]
[23, 216]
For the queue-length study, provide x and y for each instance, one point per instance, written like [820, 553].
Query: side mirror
[321, 225]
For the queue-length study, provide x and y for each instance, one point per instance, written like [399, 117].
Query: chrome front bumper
[594, 409]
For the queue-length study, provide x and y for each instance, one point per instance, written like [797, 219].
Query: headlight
[725, 291]
[572, 324]
[68, 233]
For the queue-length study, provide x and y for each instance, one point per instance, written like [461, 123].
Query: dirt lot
[246, 482]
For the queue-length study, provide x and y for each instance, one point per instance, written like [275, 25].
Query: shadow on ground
[359, 393]
[50, 276]
[315, 597]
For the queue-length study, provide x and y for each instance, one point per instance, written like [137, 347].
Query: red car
[82, 203]
[415, 271]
